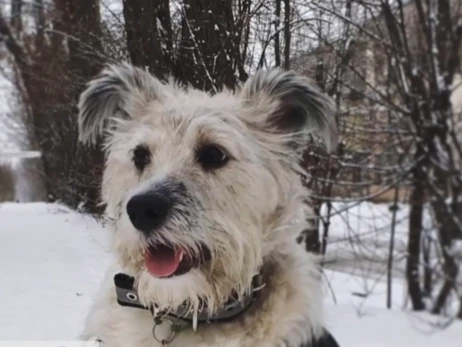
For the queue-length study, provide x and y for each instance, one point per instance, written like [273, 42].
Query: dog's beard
[235, 257]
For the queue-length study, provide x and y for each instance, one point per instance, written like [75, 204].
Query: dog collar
[182, 316]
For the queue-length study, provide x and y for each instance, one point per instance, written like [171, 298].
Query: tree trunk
[287, 34]
[208, 53]
[16, 15]
[53, 78]
[39, 19]
[149, 35]
[311, 236]
[415, 233]
[448, 230]
[428, 273]
[277, 22]
[243, 28]
[394, 209]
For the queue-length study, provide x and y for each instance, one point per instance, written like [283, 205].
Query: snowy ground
[359, 238]
[52, 260]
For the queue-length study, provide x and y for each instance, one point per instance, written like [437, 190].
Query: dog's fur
[248, 213]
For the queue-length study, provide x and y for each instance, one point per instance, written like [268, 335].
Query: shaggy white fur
[247, 213]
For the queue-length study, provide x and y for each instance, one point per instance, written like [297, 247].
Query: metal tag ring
[172, 332]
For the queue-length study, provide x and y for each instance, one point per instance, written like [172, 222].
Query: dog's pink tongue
[163, 262]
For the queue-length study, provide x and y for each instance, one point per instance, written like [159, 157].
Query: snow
[359, 236]
[52, 260]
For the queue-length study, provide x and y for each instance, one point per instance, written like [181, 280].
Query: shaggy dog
[205, 201]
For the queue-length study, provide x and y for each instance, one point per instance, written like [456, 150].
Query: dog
[204, 198]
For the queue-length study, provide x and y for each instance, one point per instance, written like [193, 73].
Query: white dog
[205, 200]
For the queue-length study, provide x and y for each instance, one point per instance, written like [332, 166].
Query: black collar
[127, 296]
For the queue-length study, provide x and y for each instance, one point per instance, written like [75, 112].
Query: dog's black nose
[148, 211]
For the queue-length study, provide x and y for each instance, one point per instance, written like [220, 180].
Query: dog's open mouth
[167, 261]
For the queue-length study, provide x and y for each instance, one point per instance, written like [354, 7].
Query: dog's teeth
[181, 256]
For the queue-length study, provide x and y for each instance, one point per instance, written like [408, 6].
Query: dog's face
[200, 188]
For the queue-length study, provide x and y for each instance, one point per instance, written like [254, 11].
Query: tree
[416, 46]
[16, 10]
[52, 72]
[208, 55]
[149, 35]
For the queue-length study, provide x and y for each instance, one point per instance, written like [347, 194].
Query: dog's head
[201, 188]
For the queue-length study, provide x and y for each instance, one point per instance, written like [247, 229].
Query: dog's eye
[212, 157]
[141, 157]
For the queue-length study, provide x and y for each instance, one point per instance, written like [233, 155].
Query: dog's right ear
[292, 106]
[118, 91]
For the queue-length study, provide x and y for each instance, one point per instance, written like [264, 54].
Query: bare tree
[416, 46]
[52, 71]
[149, 35]
[207, 53]
[277, 45]
[287, 33]
[16, 19]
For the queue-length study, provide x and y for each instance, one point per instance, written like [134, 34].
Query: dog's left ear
[119, 91]
[289, 104]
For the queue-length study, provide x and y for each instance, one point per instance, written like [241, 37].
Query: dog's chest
[204, 337]
[137, 329]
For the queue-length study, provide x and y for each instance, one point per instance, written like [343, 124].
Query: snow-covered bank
[51, 261]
